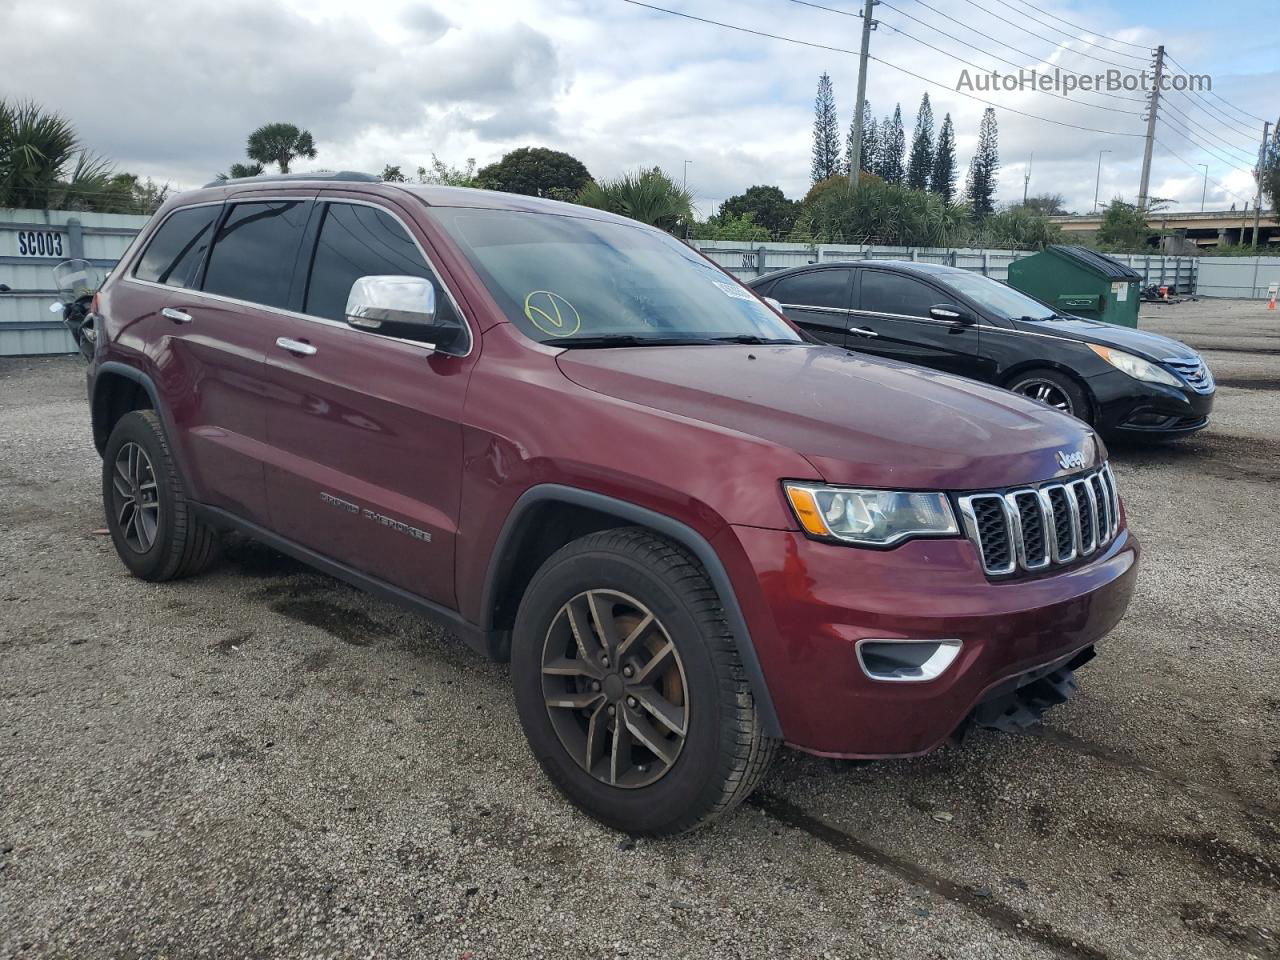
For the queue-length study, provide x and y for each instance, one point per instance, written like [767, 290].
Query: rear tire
[152, 523]
[1054, 389]
[668, 667]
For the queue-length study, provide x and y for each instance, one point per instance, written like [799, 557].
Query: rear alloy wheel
[1053, 389]
[630, 688]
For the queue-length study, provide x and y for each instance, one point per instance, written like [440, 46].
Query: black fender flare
[116, 368]
[500, 563]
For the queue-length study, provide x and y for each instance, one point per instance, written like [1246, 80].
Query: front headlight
[877, 518]
[1135, 367]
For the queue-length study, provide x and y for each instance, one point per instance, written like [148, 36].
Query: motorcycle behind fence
[77, 282]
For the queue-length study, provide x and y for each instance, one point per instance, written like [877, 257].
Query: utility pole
[1152, 108]
[1026, 179]
[1097, 184]
[685, 183]
[855, 161]
[1257, 203]
[1205, 189]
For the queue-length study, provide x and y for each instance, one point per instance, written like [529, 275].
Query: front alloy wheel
[615, 688]
[1046, 392]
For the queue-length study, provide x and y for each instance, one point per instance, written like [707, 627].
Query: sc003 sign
[39, 243]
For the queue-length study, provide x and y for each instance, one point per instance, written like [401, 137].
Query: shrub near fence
[748, 260]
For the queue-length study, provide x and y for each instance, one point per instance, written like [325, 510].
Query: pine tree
[826, 132]
[870, 142]
[942, 180]
[893, 144]
[920, 163]
[981, 183]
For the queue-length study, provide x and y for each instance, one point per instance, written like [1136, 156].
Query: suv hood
[1149, 346]
[859, 420]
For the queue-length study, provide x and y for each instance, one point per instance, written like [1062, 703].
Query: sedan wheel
[1046, 392]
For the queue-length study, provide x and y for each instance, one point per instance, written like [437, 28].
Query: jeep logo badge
[1069, 459]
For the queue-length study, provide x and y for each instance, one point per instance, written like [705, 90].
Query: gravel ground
[264, 762]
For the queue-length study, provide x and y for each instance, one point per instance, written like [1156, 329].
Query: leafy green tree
[741, 227]
[766, 205]
[281, 144]
[884, 213]
[238, 171]
[871, 145]
[650, 196]
[893, 145]
[826, 132]
[984, 167]
[942, 179]
[1019, 228]
[1268, 174]
[445, 175]
[393, 174]
[1124, 227]
[536, 172]
[1047, 204]
[920, 162]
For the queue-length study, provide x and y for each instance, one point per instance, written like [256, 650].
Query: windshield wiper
[623, 340]
[753, 339]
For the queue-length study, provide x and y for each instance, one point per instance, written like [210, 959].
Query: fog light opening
[906, 661]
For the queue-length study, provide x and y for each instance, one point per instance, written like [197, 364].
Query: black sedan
[1124, 382]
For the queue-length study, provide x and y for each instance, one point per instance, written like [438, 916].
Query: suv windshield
[572, 281]
[999, 299]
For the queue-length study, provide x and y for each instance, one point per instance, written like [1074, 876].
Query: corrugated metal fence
[1248, 277]
[32, 243]
[747, 260]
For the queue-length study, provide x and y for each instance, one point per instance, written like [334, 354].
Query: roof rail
[348, 175]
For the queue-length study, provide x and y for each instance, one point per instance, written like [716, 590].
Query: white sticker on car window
[733, 290]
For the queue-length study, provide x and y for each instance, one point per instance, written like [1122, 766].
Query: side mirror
[951, 313]
[402, 307]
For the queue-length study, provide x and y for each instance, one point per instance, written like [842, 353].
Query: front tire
[629, 685]
[152, 523]
[1054, 389]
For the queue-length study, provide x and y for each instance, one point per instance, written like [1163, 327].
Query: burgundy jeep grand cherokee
[575, 442]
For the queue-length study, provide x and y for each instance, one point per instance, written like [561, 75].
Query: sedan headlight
[877, 518]
[1136, 367]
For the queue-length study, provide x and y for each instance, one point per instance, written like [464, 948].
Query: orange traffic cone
[1271, 304]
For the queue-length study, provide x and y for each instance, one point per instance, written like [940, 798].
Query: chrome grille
[1034, 528]
[1193, 371]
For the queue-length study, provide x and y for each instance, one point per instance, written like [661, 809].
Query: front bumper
[815, 601]
[1134, 408]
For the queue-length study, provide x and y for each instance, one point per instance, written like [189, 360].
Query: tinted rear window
[253, 255]
[817, 288]
[173, 256]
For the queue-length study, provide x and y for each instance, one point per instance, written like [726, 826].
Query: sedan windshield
[1001, 300]
[575, 282]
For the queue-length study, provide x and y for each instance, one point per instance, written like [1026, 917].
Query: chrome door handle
[300, 347]
[863, 332]
[176, 315]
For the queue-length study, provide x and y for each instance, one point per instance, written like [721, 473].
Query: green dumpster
[1081, 282]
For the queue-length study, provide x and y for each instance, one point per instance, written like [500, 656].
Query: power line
[1077, 26]
[1238, 109]
[1008, 46]
[1217, 116]
[1186, 135]
[1118, 53]
[1060, 96]
[1249, 152]
[892, 66]
[1056, 43]
[1193, 166]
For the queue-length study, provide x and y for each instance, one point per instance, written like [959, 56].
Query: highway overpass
[1208, 229]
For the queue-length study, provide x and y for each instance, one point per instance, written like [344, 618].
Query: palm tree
[238, 171]
[280, 143]
[42, 162]
[649, 196]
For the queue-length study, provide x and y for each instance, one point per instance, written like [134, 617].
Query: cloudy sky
[170, 90]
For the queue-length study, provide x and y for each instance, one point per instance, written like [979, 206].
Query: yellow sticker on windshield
[552, 313]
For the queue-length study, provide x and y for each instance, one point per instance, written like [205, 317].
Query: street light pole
[1098, 183]
[1204, 189]
[686, 174]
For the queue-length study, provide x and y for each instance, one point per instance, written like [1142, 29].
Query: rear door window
[890, 293]
[816, 288]
[358, 241]
[174, 254]
[255, 250]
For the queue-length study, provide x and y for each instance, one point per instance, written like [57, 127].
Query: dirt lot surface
[264, 762]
